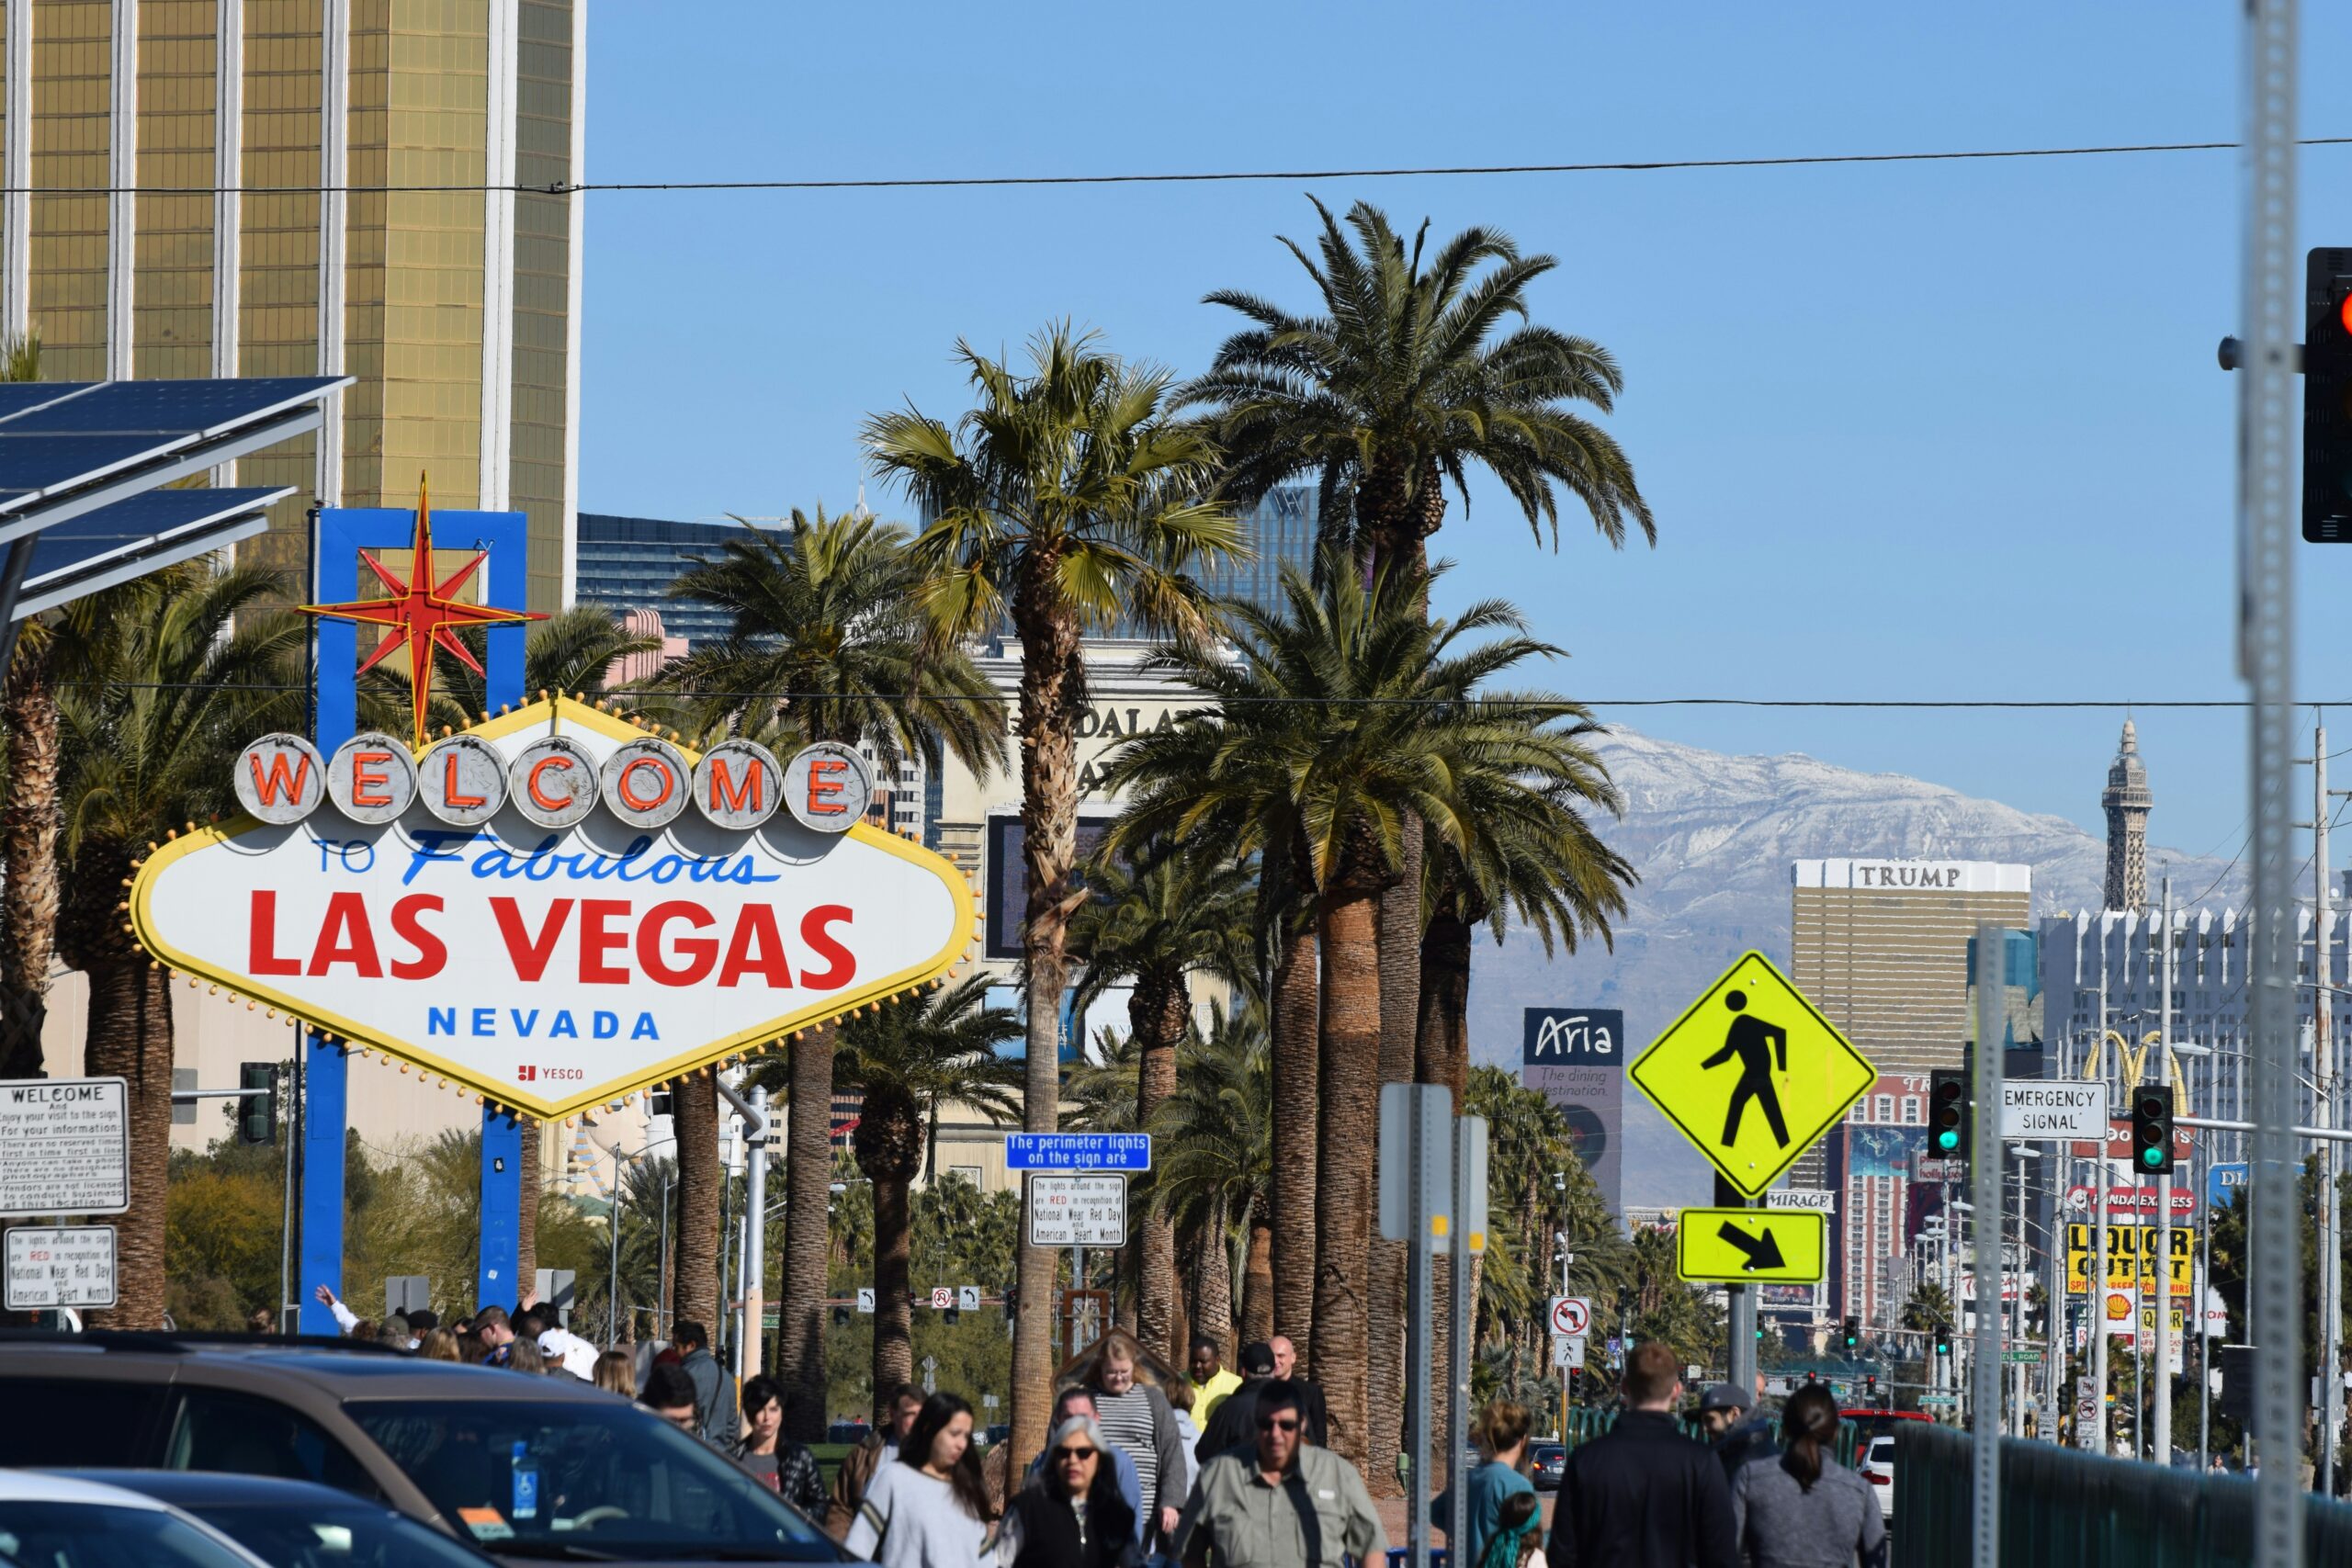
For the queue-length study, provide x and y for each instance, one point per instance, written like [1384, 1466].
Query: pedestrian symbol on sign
[1754, 1042]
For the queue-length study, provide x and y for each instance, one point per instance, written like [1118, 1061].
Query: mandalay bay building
[297, 187]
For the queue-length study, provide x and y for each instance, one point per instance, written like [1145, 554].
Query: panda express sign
[555, 907]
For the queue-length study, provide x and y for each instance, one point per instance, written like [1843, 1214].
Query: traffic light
[841, 1317]
[2152, 1130]
[1851, 1335]
[257, 1112]
[2327, 396]
[1870, 1387]
[950, 1317]
[1943, 1341]
[1949, 1115]
[1011, 1302]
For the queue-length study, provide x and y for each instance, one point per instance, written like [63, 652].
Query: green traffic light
[1949, 1140]
[2152, 1157]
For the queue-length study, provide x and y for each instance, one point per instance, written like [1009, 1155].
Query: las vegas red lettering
[606, 942]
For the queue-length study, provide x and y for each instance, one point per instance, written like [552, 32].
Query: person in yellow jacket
[1211, 1381]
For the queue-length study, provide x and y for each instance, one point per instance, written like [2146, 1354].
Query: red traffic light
[2344, 310]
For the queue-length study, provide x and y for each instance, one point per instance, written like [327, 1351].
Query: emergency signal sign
[1752, 1073]
[552, 956]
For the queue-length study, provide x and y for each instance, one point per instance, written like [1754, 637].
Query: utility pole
[2323, 1069]
[2163, 1447]
[2095, 1288]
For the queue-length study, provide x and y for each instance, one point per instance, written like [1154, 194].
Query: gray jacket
[1780, 1525]
[715, 1410]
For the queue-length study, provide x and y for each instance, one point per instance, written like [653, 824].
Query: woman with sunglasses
[930, 1509]
[1072, 1515]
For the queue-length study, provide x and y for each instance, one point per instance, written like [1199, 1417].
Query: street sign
[2130, 1257]
[1785, 1247]
[1939, 1399]
[1078, 1151]
[65, 1147]
[60, 1266]
[2051, 1108]
[967, 1298]
[1571, 1315]
[1820, 1199]
[942, 1297]
[1415, 1137]
[865, 1298]
[2021, 1357]
[1567, 1351]
[1752, 1075]
[1078, 1211]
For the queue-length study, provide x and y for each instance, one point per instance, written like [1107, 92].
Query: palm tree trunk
[1349, 1072]
[527, 1206]
[28, 850]
[1214, 1313]
[693, 1247]
[1441, 1047]
[130, 1037]
[1052, 677]
[809, 1162]
[1400, 944]
[1296, 1071]
[1157, 1013]
[1258, 1278]
[894, 1309]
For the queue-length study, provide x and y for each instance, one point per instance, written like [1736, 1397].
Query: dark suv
[528, 1469]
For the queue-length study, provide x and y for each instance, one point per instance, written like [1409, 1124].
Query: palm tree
[28, 814]
[1064, 501]
[1214, 1173]
[823, 617]
[185, 666]
[1402, 383]
[1338, 723]
[908, 1061]
[1150, 923]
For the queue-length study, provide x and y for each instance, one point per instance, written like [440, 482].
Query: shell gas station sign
[554, 908]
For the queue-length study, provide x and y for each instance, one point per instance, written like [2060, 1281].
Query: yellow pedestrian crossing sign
[1752, 1075]
[1787, 1247]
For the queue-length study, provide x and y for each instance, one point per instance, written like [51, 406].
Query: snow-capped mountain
[1712, 837]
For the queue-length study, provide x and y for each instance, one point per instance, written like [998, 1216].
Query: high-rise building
[2128, 801]
[1881, 947]
[629, 563]
[282, 188]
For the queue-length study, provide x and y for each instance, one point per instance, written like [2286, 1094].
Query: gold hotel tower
[164, 216]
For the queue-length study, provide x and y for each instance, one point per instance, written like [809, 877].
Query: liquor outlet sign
[556, 908]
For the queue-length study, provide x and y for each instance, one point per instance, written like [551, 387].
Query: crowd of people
[1232, 1466]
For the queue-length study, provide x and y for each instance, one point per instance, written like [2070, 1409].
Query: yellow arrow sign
[1752, 1075]
[1787, 1247]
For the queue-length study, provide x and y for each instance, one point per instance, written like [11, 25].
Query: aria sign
[555, 907]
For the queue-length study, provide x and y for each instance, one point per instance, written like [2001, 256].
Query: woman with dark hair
[789, 1470]
[1071, 1514]
[931, 1508]
[1801, 1509]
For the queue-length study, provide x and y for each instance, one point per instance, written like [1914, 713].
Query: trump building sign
[555, 907]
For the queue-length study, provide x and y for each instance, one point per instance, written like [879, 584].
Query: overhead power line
[966, 182]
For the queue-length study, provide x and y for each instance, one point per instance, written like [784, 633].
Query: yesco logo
[1588, 1037]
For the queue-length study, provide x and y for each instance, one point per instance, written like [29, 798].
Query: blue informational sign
[1078, 1151]
[2222, 1182]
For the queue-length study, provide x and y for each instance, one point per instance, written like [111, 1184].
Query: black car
[1546, 1463]
[297, 1524]
[526, 1469]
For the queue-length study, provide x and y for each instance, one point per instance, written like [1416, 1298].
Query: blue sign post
[1078, 1151]
[342, 534]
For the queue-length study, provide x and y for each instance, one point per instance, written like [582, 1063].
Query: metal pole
[2267, 488]
[2095, 1306]
[2017, 1414]
[1467, 1240]
[613, 1272]
[2163, 1268]
[290, 1311]
[2204, 1339]
[755, 1213]
[1420, 1288]
[1984, 1418]
[662, 1307]
[2331, 1314]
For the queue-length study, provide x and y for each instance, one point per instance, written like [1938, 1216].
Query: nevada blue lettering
[562, 1025]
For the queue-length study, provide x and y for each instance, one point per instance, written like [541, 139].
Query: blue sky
[1910, 430]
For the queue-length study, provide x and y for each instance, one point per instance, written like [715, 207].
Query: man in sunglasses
[1280, 1503]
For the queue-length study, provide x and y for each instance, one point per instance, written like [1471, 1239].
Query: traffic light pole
[2095, 1309]
[2163, 1270]
[1985, 1378]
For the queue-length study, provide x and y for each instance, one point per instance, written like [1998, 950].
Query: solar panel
[131, 537]
[56, 438]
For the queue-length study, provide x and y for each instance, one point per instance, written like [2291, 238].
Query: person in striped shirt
[1137, 1418]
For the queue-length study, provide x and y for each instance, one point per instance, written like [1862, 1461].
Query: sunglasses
[1065, 1456]
[1270, 1424]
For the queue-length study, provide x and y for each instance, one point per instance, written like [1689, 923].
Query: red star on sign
[423, 617]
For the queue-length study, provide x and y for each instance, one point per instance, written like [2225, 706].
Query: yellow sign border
[360, 1036]
[1704, 1145]
[1682, 1235]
